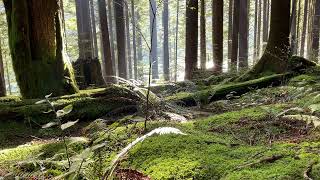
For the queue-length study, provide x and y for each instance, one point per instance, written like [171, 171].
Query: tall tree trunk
[203, 47]
[243, 34]
[293, 30]
[87, 67]
[8, 78]
[134, 44]
[128, 47]
[217, 34]
[111, 28]
[121, 34]
[176, 44]
[94, 31]
[259, 28]
[165, 22]
[140, 50]
[107, 61]
[298, 27]
[2, 80]
[154, 39]
[230, 21]
[265, 24]
[275, 57]
[191, 38]
[304, 28]
[255, 45]
[38, 60]
[315, 32]
[235, 35]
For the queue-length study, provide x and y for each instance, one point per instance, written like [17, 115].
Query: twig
[269, 159]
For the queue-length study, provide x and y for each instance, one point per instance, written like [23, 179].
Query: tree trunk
[37, 48]
[107, 61]
[265, 24]
[191, 38]
[111, 28]
[128, 47]
[94, 31]
[217, 34]
[315, 32]
[87, 67]
[255, 45]
[134, 44]
[154, 39]
[230, 32]
[243, 34]
[235, 35]
[2, 80]
[140, 50]
[166, 62]
[176, 44]
[203, 48]
[304, 28]
[121, 34]
[259, 29]
[275, 57]
[293, 30]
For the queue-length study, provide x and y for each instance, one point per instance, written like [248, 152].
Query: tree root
[269, 159]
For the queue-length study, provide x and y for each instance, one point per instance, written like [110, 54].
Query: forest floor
[266, 133]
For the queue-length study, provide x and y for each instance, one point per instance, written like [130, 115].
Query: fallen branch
[269, 159]
[307, 172]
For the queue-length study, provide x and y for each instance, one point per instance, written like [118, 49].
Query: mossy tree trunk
[37, 48]
[217, 34]
[276, 55]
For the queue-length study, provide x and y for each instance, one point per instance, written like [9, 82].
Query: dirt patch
[266, 130]
[131, 174]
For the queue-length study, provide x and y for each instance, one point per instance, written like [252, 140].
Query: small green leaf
[68, 124]
[50, 124]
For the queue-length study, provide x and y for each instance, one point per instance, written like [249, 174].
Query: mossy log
[87, 105]
[234, 89]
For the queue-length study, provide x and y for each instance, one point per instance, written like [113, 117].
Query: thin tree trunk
[191, 38]
[304, 28]
[107, 61]
[166, 62]
[176, 44]
[121, 34]
[134, 44]
[217, 34]
[315, 32]
[235, 35]
[140, 50]
[2, 80]
[129, 57]
[255, 51]
[203, 48]
[230, 31]
[298, 27]
[38, 60]
[112, 39]
[243, 34]
[259, 29]
[265, 24]
[293, 21]
[154, 38]
[94, 31]
[8, 78]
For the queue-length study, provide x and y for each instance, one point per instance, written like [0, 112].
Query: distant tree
[235, 35]
[191, 38]
[293, 28]
[304, 28]
[140, 49]
[94, 31]
[176, 43]
[230, 21]
[203, 46]
[134, 43]
[265, 24]
[153, 34]
[244, 34]
[217, 34]
[259, 28]
[255, 36]
[2, 80]
[107, 60]
[165, 23]
[128, 42]
[111, 29]
[121, 35]
[315, 32]
[39, 61]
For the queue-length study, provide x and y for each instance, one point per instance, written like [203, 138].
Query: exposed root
[269, 159]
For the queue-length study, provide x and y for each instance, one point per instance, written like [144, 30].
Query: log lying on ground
[87, 105]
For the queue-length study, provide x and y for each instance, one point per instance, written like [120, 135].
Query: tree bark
[107, 61]
[111, 34]
[259, 29]
[230, 21]
[94, 31]
[154, 39]
[243, 34]
[235, 35]
[37, 48]
[304, 28]
[2, 80]
[128, 47]
[121, 41]
[293, 30]
[255, 45]
[165, 22]
[140, 50]
[176, 44]
[134, 44]
[191, 38]
[315, 32]
[203, 48]
[217, 34]
[265, 24]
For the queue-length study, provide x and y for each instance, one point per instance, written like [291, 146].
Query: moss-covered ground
[248, 136]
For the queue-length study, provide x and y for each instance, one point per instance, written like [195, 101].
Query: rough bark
[255, 52]
[140, 50]
[2, 80]
[176, 44]
[230, 32]
[304, 28]
[165, 22]
[203, 48]
[265, 24]
[191, 38]
[134, 44]
[94, 31]
[37, 48]
[259, 29]
[111, 28]
[154, 39]
[315, 32]
[121, 34]
[106, 48]
[235, 36]
[243, 34]
[128, 42]
[217, 34]
[293, 30]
